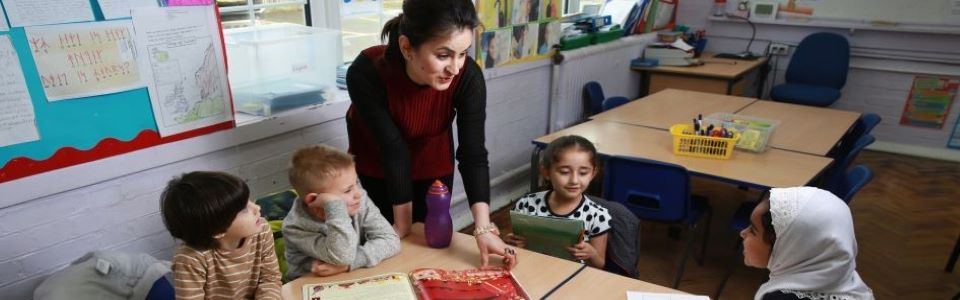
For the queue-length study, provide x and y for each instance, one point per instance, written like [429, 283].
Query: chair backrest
[863, 126]
[844, 161]
[852, 182]
[593, 98]
[821, 59]
[613, 102]
[623, 242]
[651, 190]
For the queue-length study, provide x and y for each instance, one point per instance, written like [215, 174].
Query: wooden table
[672, 106]
[773, 168]
[807, 129]
[717, 75]
[585, 286]
[537, 273]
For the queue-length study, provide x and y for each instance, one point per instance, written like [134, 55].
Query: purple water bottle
[438, 226]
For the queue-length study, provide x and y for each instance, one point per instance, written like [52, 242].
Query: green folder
[548, 235]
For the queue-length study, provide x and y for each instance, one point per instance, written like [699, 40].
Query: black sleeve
[370, 97]
[471, 108]
[778, 295]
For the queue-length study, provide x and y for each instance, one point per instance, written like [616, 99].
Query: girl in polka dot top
[569, 164]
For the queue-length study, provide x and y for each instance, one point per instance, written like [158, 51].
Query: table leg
[952, 262]
[762, 78]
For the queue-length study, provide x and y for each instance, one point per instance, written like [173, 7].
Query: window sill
[248, 129]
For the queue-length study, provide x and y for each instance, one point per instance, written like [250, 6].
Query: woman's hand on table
[403, 218]
[491, 245]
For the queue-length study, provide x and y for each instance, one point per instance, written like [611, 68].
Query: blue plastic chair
[593, 96]
[817, 71]
[613, 102]
[841, 163]
[845, 187]
[660, 192]
[863, 126]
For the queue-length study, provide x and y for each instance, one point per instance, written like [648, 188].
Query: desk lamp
[746, 54]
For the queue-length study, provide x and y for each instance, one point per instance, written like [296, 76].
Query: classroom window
[362, 21]
[245, 13]
[576, 6]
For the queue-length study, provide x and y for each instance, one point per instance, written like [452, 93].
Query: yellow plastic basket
[686, 143]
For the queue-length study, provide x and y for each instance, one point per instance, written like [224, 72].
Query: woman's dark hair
[564, 143]
[199, 205]
[423, 20]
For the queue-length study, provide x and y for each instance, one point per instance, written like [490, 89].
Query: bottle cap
[438, 187]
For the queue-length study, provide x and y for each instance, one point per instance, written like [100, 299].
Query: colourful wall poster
[494, 48]
[929, 102]
[525, 11]
[494, 13]
[84, 59]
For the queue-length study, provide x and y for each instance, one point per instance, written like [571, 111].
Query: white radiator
[608, 64]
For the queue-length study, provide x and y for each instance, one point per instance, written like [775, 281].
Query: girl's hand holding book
[582, 251]
[515, 240]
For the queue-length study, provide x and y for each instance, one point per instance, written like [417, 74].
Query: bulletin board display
[72, 126]
[516, 31]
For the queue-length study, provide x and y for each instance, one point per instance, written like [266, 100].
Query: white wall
[39, 236]
[883, 65]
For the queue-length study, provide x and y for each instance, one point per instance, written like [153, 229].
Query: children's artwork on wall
[551, 9]
[547, 35]
[530, 42]
[18, 124]
[3, 20]
[929, 102]
[494, 48]
[85, 59]
[494, 13]
[519, 39]
[43, 12]
[115, 9]
[188, 2]
[187, 83]
[525, 11]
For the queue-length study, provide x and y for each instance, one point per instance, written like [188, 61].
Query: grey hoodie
[360, 241]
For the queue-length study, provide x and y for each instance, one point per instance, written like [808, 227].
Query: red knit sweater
[395, 112]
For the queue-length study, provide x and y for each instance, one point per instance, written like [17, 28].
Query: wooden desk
[671, 106]
[807, 129]
[584, 286]
[773, 168]
[537, 273]
[717, 75]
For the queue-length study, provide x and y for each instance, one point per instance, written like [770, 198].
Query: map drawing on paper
[172, 80]
[85, 59]
[187, 80]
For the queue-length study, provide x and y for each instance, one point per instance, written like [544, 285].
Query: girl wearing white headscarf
[804, 236]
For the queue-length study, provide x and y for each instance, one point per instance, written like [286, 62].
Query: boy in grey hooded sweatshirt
[333, 227]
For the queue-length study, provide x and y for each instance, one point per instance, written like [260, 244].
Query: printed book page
[388, 286]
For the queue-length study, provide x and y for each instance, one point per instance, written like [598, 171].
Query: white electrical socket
[778, 49]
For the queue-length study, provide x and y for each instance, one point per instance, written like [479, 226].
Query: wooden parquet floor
[907, 220]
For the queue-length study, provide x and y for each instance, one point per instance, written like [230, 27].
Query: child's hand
[324, 269]
[515, 240]
[582, 251]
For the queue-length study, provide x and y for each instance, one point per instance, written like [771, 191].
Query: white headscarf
[815, 253]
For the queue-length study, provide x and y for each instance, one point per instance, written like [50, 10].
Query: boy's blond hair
[313, 165]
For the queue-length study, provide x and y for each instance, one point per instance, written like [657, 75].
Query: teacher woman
[405, 97]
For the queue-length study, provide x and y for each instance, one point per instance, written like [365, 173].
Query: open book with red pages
[423, 284]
